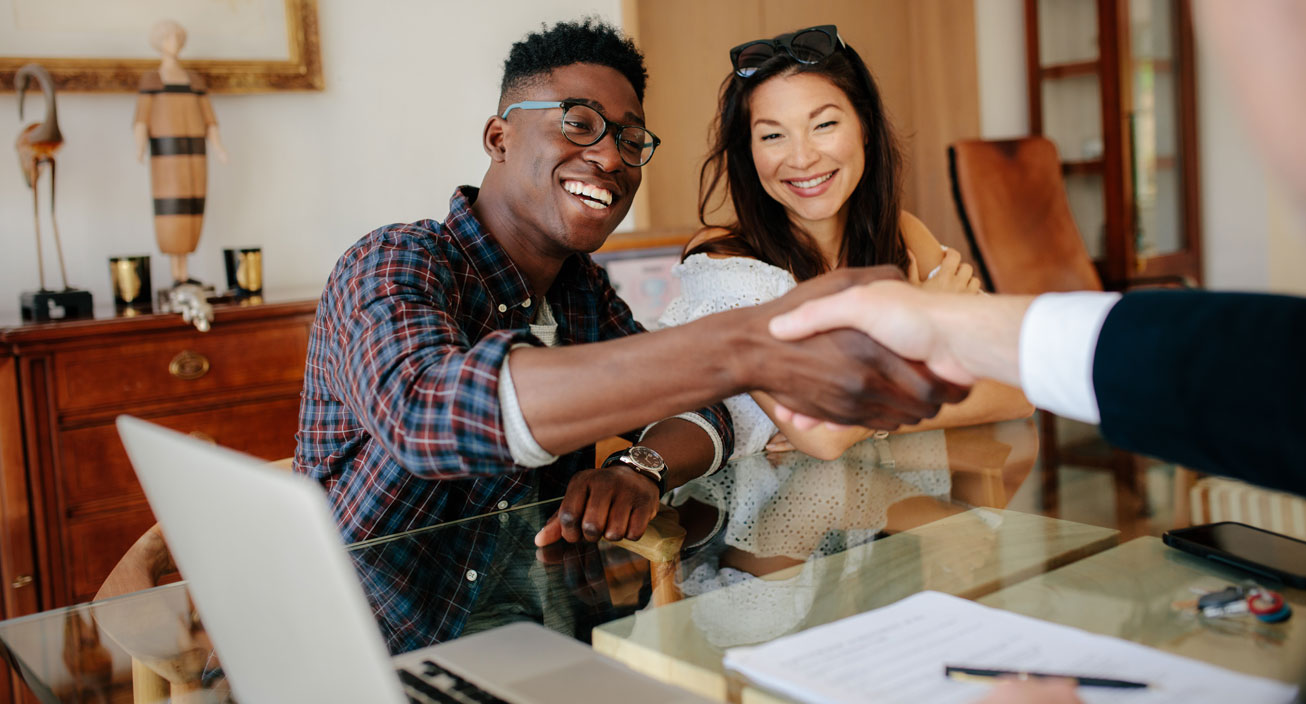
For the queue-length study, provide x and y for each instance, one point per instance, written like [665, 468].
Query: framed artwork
[238, 46]
[642, 277]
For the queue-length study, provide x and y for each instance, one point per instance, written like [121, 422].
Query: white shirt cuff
[1058, 338]
[521, 443]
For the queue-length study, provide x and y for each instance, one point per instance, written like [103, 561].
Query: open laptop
[283, 605]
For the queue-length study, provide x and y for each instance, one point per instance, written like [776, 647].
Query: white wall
[1251, 240]
[1000, 52]
[1235, 217]
[409, 84]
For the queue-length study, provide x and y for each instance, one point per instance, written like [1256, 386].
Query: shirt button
[471, 575]
[503, 308]
[526, 303]
[501, 505]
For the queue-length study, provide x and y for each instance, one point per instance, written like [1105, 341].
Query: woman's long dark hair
[762, 228]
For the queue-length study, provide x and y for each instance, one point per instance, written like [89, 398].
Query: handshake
[863, 347]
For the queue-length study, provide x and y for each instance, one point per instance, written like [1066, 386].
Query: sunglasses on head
[806, 46]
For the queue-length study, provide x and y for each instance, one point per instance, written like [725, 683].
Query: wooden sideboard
[69, 502]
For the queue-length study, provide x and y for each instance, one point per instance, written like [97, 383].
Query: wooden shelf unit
[70, 505]
[1118, 70]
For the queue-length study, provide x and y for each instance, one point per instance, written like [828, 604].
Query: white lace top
[712, 285]
[824, 513]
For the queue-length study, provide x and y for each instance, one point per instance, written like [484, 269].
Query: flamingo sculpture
[36, 145]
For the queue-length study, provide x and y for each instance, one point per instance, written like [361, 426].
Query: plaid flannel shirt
[400, 419]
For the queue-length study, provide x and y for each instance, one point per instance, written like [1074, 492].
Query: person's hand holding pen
[1049, 691]
[1016, 686]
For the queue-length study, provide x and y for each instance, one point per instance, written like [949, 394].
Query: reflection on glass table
[798, 536]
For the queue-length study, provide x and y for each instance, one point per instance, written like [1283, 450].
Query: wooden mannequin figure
[174, 118]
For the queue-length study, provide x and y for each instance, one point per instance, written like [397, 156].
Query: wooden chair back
[155, 678]
[1012, 202]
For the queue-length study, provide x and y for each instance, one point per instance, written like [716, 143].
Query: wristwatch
[644, 460]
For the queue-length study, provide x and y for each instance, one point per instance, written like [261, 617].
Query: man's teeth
[813, 181]
[594, 197]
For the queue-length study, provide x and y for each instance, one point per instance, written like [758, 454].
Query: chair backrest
[1012, 203]
[148, 561]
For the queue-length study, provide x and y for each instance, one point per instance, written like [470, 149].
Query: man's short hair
[589, 41]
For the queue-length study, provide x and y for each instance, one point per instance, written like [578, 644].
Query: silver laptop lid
[267, 570]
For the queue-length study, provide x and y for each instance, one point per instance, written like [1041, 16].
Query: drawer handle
[22, 581]
[188, 365]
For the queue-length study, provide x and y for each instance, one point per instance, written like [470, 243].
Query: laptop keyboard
[436, 685]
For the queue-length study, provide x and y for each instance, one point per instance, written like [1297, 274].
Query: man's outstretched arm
[1209, 380]
[571, 396]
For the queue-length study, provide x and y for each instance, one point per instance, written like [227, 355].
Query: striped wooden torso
[178, 117]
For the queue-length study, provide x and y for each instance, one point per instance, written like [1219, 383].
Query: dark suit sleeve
[1213, 381]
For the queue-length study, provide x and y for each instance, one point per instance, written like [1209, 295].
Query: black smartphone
[1260, 552]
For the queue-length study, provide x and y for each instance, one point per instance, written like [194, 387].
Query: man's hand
[1032, 692]
[612, 502]
[960, 338]
[842, 375]
[894, 313]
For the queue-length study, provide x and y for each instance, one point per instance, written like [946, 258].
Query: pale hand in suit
[1032, 692]
[959, 337]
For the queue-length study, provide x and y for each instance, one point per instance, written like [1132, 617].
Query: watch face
[646, 458]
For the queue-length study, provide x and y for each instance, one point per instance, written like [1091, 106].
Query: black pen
[983, 674]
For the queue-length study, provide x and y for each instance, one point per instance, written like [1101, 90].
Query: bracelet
[935, 271]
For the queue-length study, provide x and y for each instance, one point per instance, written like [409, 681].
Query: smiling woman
[804, 148]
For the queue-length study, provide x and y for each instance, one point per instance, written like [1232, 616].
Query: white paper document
[897, 653]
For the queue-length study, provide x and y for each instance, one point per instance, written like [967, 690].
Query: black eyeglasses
[582, 125]
[806, 46]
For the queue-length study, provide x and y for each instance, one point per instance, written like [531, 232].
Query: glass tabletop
[789, 541]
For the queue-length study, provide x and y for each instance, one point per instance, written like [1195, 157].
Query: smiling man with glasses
[451, 358]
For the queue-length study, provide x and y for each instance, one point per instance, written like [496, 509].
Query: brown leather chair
[1012, 203]
[1013, 206]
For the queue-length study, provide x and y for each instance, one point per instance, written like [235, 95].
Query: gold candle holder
[244, 270]
[130, 277]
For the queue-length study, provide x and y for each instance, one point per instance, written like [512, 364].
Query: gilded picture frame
[301, 70]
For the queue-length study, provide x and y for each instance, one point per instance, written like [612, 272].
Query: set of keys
[1266, 605]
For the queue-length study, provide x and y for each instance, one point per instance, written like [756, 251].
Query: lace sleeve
[712, 285]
